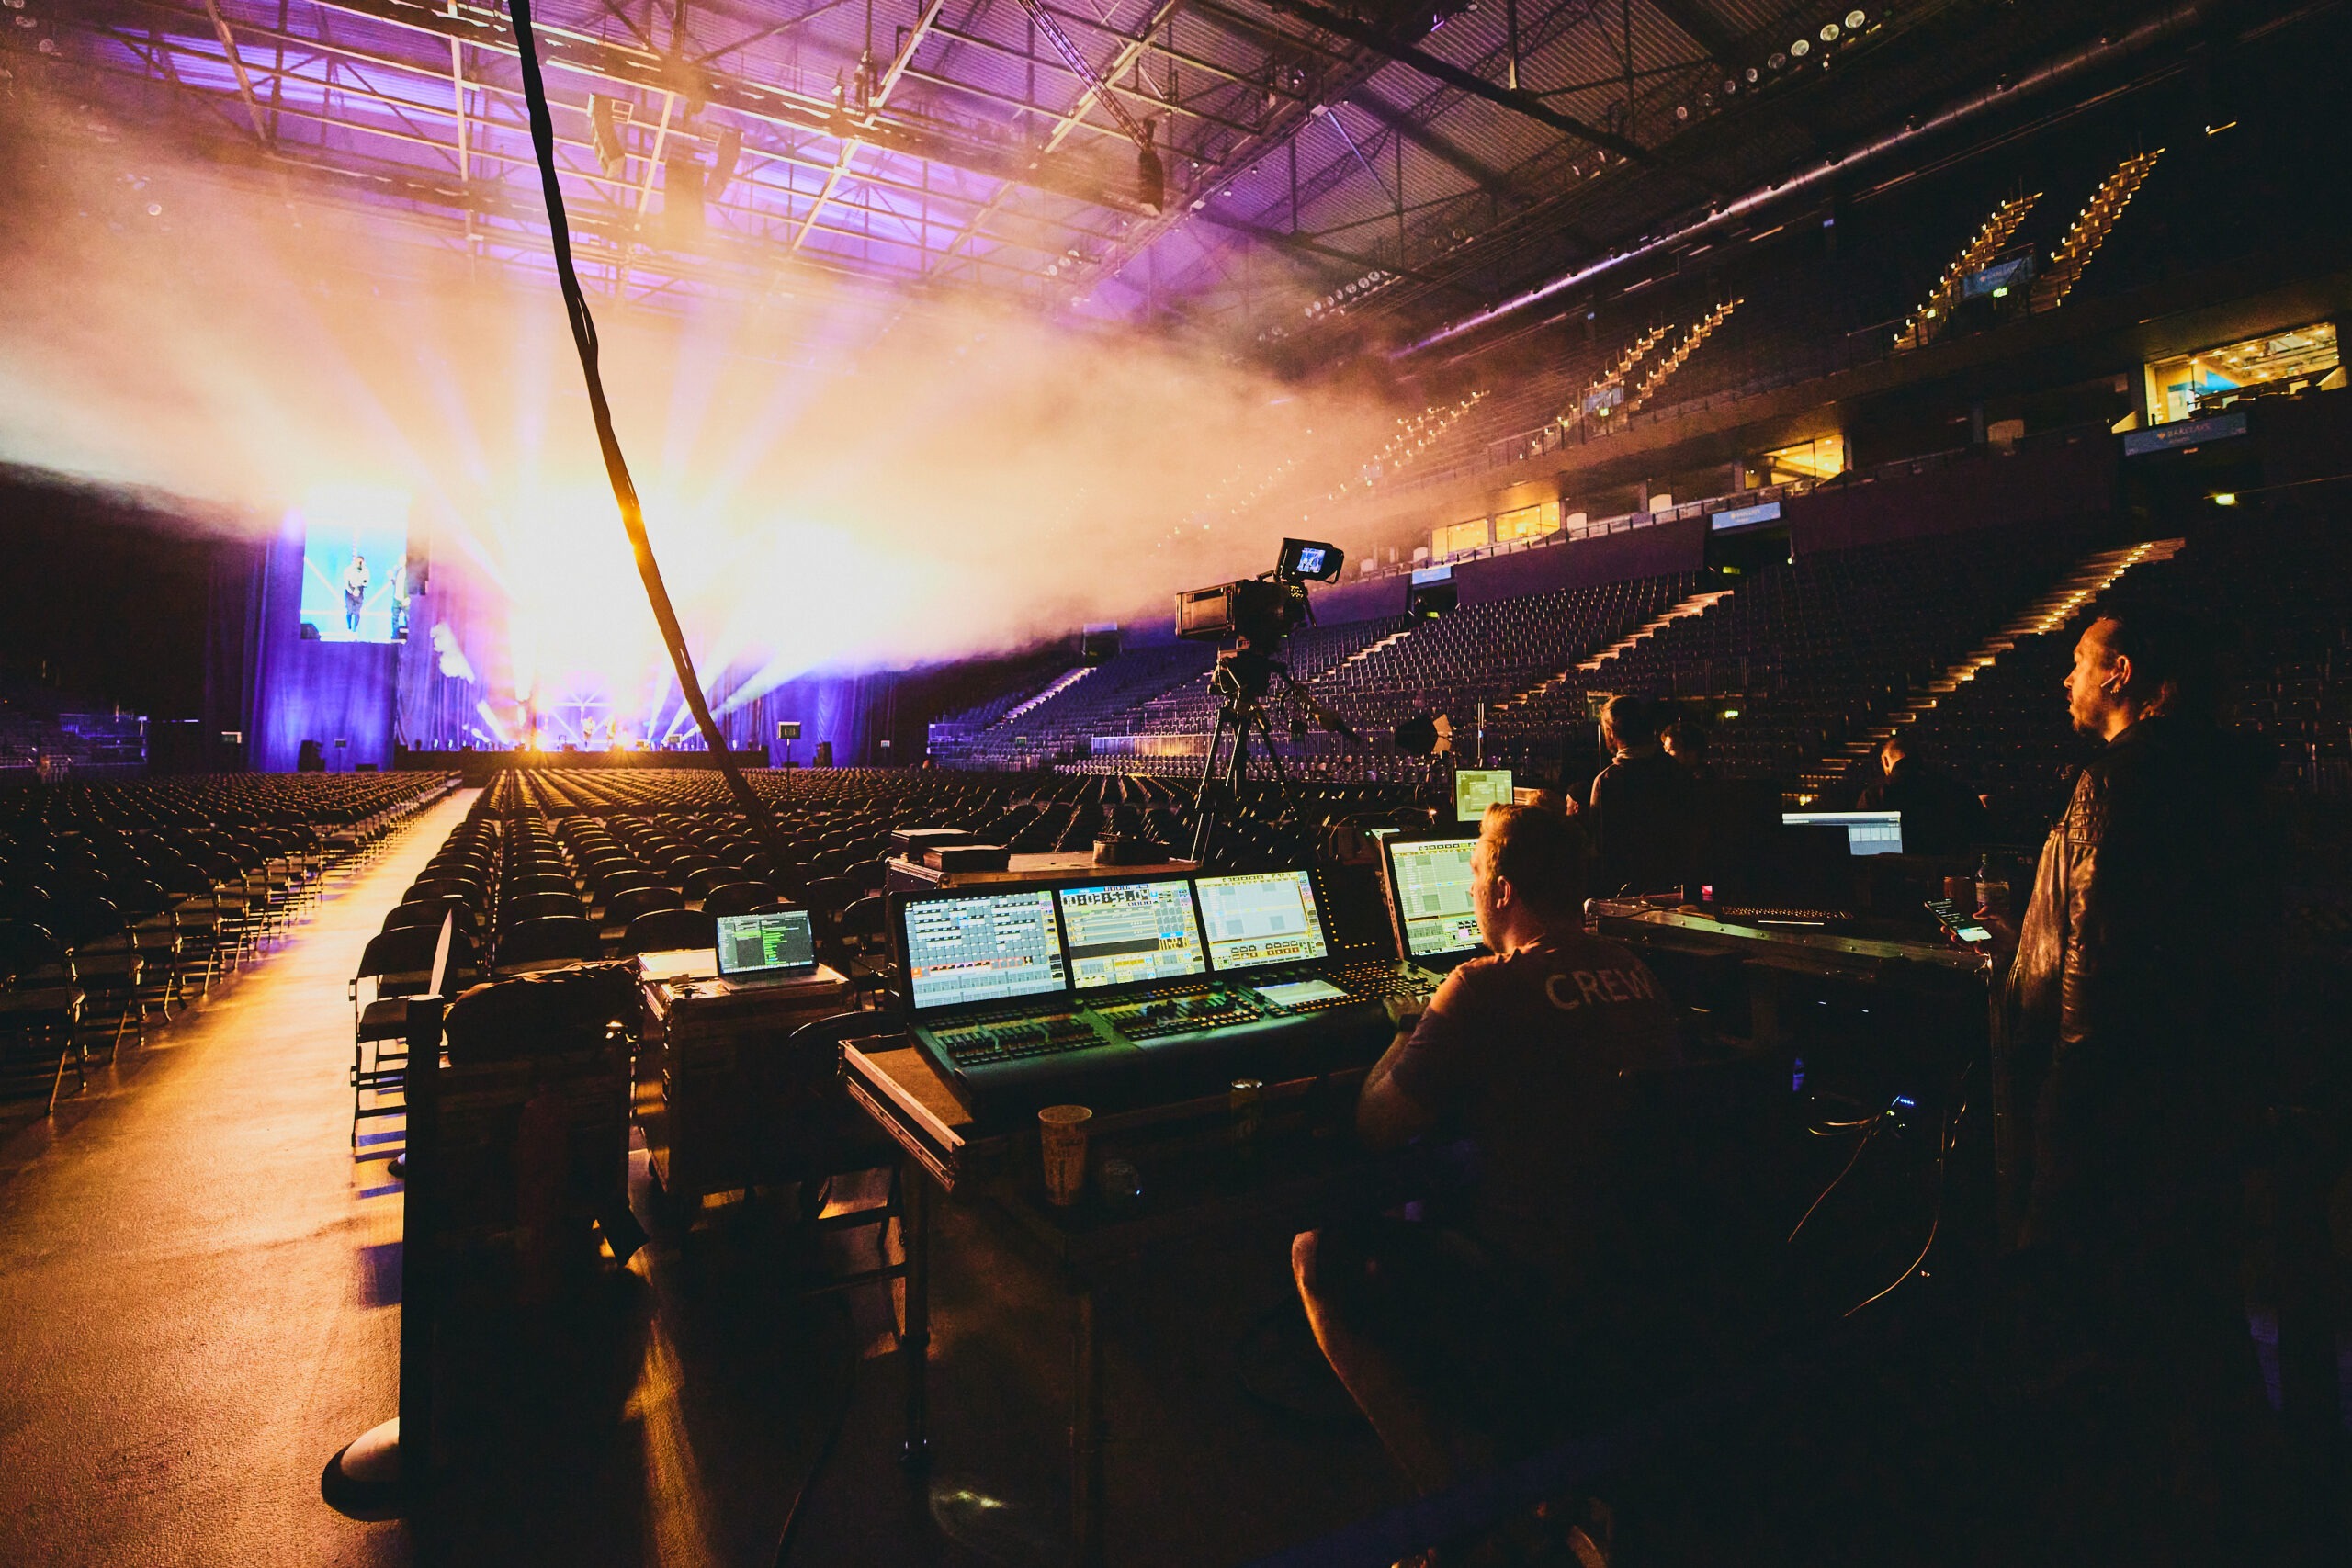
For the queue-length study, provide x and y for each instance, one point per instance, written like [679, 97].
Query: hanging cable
[584, 338]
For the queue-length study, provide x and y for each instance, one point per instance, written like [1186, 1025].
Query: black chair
[626, 907]
[547, 940]
[823, 1135]
[532, 905]
[667, 930]
[859, 941]
[400, 962]
[735, 898]
[41, 1006]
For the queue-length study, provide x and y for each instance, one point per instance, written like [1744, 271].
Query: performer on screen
[355, 591]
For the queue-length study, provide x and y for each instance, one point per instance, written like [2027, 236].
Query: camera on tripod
[1260, 611]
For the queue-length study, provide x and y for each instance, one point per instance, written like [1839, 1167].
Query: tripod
[1241, 682]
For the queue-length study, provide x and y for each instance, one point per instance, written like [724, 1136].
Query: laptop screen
[1867, 832]
[1125, 931]
[989, 948]
[1266, 918]
[779, 942]
[1428, 884]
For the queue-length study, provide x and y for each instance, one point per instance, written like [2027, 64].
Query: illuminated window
[1821, 458]
[1470, 535]
[2212, 379]
[1528, 522]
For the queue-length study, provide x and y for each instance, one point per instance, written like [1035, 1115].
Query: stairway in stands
[2092, 226]
[1666, 368]
[1696, 604]
[1928, 320]
[1616, 374]
[2088, 578]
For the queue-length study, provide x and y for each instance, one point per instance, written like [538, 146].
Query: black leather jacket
[2130, 1027]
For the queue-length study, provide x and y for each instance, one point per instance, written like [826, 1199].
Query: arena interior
[1327, 783]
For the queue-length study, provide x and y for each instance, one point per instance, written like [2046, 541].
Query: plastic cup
[1061, 1136]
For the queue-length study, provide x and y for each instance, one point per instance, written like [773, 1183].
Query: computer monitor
[779, 942]
[1266, 917]
[1121, 932]
[1474, 789]
[988, 948]
[1867, 832]
[1428, 892]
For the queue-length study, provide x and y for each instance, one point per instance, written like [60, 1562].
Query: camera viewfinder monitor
[1474, 789]
[1122, 933]
[986, 948]
[1262, 917]
[1310, 560]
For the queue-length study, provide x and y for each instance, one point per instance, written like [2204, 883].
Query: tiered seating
[1492, 652]
[1312, 653]
[2278, 594]
[1059, 728]
[118, 899]
[1807, 654]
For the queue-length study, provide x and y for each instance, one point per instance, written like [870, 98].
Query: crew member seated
[1466, 1345]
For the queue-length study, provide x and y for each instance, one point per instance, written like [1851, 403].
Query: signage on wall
[2183, 433]
[1745, 516]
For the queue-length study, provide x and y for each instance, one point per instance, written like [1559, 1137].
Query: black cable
[1861, 1143]
[584, 338]
[1935, 1223]
[790, 1529]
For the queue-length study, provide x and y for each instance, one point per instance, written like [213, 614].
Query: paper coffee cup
[1061, 1135]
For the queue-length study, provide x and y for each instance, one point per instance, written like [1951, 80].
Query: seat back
[663, 931]
[548, 936]
[735, 898]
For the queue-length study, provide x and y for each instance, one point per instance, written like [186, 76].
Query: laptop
[1867, 832]
[760, 950]
[1430, 910]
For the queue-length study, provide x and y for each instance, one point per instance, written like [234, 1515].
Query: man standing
[2129, 1038]
[1462, 1346]
[355, 591]
[1641, 813]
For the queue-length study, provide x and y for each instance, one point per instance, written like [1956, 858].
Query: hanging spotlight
[1829, 31]
[1854, 20]
[1802, 48]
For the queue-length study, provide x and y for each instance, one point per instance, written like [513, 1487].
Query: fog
[832, 478]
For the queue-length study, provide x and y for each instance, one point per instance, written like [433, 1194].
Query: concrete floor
[197, 1301]
[198, 1306]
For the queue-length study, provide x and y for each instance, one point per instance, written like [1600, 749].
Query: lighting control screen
[1131, 930]
[987, 949]
[1431, 882]
[1268, 918]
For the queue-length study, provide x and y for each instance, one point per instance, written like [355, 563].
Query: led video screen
[354, 568]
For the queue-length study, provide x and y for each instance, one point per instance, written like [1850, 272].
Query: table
[1300, 1168]
[711, 1075]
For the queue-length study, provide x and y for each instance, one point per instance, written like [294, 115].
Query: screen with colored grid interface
[1268, 918]
[985, 949]
[1124, 931]
[1430, 881]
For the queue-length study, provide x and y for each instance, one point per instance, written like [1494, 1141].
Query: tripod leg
[1209, 800]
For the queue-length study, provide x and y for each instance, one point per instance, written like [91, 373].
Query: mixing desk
[1116, 989]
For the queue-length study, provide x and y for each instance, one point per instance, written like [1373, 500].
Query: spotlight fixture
[1854, 20]
[1802, 48]
[1829, 32]
[605, 117]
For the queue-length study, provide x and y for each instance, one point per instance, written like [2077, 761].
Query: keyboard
[1015, 1036]
[1774, 912]
[1379, 979]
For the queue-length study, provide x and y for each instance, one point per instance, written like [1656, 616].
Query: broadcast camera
[1260, 611]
